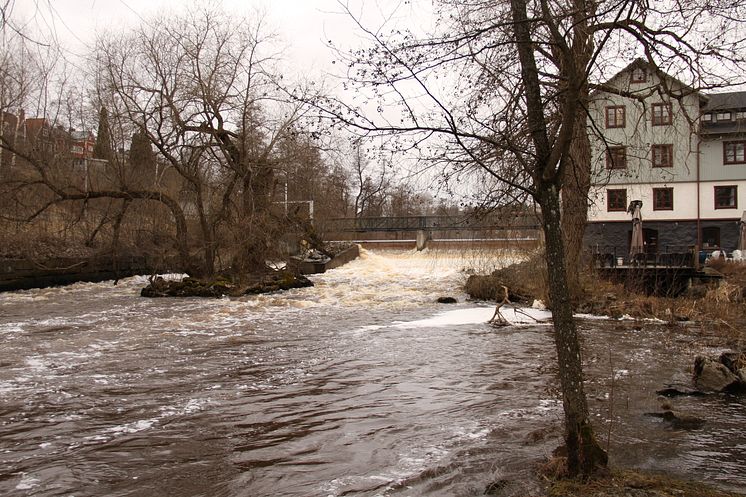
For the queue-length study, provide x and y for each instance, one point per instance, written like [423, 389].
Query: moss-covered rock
[222, 286]
[187, 287]
[273, 282]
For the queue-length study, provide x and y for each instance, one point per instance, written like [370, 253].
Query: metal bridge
[423, 231]
[432, 223]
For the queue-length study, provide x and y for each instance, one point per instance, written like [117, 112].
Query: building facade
[679, 151]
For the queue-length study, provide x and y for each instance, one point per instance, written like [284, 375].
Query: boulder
[679, 421]
[188, 287]
[713, 376]
[734, 361]
[678, 391]
[274, 282]
[447, 300]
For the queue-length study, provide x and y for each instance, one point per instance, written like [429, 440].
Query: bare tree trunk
[576, 183]
[576, 180]
[208, 240]
[115, 237]
[584, 455]
[255, 236]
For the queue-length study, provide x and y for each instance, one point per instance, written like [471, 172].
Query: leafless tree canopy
[503, 89]
[200, 144]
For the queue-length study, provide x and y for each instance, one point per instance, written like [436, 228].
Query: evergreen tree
[142, 157]
[143, 169]
[103, 149]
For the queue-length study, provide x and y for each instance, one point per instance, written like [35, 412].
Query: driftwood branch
[497, 318]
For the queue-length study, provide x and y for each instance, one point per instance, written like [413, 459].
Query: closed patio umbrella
[742, 232]
[637, 243]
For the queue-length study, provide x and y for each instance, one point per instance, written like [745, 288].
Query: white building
[679, 151]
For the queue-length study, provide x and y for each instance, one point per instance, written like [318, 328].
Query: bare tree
[201, 87]
[369, 185]
[507, 86]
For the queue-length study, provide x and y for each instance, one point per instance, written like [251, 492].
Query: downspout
[699, 227]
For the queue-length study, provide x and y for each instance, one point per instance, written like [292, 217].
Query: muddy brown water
[360, 386]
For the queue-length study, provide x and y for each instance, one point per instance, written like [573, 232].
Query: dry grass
[718, 309]
[525, 281]
[633, 484]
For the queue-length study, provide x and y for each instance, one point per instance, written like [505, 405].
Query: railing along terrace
[665, 256]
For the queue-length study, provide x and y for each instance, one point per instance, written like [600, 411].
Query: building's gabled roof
[645, 64]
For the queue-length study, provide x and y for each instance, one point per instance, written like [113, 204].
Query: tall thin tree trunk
[576, 184]
[208, 245]
[115, 238]
[256, 235]
[584, 455]
[576, 180]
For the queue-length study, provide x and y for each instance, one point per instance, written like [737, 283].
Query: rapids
[360, 386]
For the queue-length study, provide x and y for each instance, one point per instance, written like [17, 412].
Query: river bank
[716, 309]
[27, 273]
[634, 484]
[710, 318]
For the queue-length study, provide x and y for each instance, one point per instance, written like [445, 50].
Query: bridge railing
[415, 223]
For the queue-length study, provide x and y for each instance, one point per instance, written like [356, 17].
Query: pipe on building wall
[699, 220]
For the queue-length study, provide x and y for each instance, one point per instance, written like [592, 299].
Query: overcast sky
[304, 25]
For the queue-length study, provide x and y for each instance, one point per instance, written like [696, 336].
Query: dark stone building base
[660, 236]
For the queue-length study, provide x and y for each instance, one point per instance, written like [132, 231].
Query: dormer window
[723, 116]
[639, 75]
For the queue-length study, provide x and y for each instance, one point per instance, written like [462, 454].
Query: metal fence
[665, 256]
[416, 223]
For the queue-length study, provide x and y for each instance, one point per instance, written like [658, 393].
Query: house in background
[82, 144]
[679, 151]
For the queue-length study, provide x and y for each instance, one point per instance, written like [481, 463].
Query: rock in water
[679, 421]
[278, 281]
[193, 287]
[447, 300]
[678, 391]
[713, 376]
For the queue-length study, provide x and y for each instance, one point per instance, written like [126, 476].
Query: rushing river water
[360, 386]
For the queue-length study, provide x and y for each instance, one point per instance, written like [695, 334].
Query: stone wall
[21, 274]
[613, 237]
